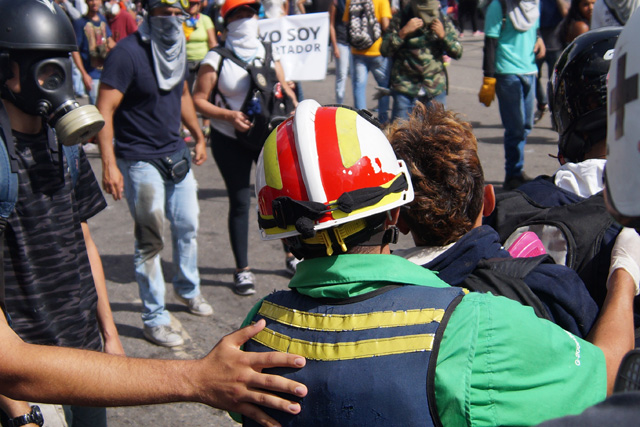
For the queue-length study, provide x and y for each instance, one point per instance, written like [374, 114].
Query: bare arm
[205, 83]
[283, 83]
[384, 24]
[86, 78]
[211, 38]
[190, 120]
[613, 331]
[227, 378]
[112, 343]
[108, 101]
[332, 30]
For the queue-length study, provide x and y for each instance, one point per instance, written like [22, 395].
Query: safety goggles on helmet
[183, 4]
[326, 167]
[622, 173]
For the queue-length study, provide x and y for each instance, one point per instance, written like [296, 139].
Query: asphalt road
[113, 232]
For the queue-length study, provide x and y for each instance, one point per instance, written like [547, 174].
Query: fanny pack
[174, 167]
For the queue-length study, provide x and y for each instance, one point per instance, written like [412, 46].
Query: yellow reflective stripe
[347, 134]
[349, 322]
[271, 167]
[345, 350]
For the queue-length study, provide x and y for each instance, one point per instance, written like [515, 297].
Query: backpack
[505, 277]
[363, 27]
[576, 235]
[266, 103]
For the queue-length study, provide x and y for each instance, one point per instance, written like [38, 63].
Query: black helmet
[578, 92]
[35, 25]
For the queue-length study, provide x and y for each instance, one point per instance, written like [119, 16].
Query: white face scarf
[168, 48]
[523, 13]
[623, 9]
[242, 38]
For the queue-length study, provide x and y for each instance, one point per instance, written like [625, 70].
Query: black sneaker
[244, 283]
[513, 182]
[537, 116]
[291, 264]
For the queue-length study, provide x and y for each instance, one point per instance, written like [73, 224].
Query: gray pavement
[113, 233]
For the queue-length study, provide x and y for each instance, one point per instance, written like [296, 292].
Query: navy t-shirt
[147, 122]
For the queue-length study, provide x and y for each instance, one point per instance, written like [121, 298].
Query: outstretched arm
[613, 331]
[227, 378]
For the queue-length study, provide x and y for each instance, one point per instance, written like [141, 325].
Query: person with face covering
[612, 13]
[418, 38]
[143, 97]
[235, 160]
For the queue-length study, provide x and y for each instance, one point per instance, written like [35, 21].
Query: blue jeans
[93, 93]
[516, 95]
[76, 77]
[342, 69]
[403, 104]
[550, 58]
[381, 69]
[150, 198]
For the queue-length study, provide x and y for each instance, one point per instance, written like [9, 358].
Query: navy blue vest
[368, 357]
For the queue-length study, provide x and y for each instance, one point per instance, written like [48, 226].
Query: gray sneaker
[197, 305]
[163, 335]
[244, 283]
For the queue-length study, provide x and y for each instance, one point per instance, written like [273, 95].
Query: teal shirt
[498, 363]
[514, 54]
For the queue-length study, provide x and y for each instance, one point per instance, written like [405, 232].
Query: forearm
[69, 376]
[105, 140]
[189, 117]
[284, 85]
[104, 314]
[14, 408]
[613, 331]
[489, 60]
[77, 59]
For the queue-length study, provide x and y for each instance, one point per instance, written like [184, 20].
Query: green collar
[350, 275]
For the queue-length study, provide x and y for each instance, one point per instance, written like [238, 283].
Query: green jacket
[417, 59]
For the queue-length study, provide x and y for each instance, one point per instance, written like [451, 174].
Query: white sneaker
[244, 283]
[197, 305]
[163, 335]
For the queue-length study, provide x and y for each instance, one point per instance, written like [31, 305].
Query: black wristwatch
[35, 417]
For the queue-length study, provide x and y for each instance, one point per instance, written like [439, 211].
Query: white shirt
[583, 179]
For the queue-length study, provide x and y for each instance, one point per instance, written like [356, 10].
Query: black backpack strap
[505, 277]
[224, 54]
[228, 54]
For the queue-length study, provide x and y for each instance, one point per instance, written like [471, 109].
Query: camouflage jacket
[417, 59]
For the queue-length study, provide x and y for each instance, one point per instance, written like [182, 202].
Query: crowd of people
[432, 326]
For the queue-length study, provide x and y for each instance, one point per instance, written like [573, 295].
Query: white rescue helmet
[622, 173]
[324, 167]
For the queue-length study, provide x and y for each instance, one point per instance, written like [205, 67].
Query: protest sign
[302, 43]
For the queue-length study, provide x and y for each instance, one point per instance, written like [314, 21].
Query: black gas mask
[46, 89]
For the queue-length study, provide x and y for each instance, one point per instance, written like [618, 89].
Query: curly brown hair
[441, 154]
